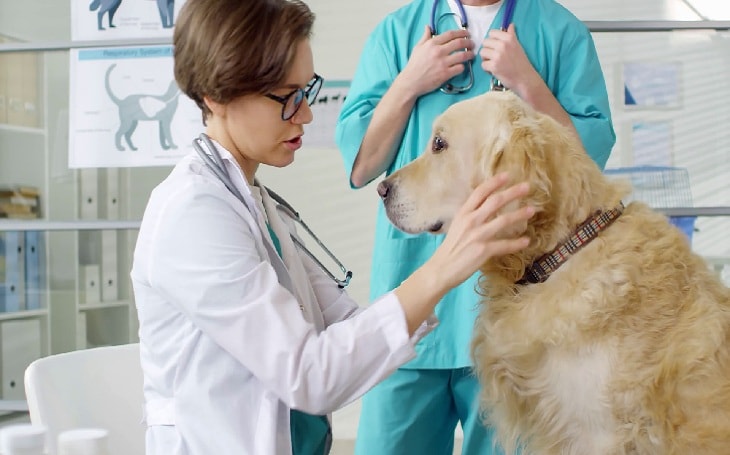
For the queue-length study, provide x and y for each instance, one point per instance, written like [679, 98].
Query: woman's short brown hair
[225, 49]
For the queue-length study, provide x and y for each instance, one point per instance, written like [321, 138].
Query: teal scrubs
[561, 48]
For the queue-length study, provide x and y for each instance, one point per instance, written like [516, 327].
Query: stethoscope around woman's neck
[214, 161]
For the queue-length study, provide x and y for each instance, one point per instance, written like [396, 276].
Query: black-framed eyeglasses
[291, 102]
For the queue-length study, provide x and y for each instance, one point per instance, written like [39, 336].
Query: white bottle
[83, 441]
[23, 439]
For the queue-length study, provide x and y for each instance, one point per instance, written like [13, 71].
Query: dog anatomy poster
[115, 19]
[125, 109]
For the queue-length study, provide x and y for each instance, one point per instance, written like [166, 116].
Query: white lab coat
[226, 350]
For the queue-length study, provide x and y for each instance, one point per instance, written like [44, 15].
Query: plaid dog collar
[541, 269]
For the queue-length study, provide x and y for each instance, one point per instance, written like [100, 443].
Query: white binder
[20, 344]
[88, 194]
[81, 330]
[110, 196]
[109, 275]
[89, 283]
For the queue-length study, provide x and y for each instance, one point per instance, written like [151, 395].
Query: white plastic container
[23, 439]
[83, 441]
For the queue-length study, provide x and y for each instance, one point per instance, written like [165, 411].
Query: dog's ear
[526, 152]
[494, 147]
[520, 151]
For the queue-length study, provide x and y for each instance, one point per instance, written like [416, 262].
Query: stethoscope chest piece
[450, 87]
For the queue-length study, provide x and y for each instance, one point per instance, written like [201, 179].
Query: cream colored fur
[625, 349]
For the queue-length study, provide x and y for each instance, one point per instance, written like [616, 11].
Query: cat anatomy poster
[125, 109]
[123, 19]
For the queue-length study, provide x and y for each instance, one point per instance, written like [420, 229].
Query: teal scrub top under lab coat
[558, 45]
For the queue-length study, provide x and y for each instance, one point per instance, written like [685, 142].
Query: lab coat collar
[293, 261]
[239, 181]
[237, 176]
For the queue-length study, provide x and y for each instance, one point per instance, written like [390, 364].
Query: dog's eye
[438, 145]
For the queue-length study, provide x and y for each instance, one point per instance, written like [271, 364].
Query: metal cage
[661, 188]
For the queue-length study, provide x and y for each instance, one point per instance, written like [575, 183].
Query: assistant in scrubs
[548, 58]
[246, 344]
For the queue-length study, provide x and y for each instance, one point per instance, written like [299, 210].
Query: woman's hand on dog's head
[473, 237]
[474, 234]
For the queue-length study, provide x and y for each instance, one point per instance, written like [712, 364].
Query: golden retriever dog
[607, 335]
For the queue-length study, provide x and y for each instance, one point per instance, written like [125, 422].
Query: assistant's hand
[503, 56]
[435, 60]
[475, 233]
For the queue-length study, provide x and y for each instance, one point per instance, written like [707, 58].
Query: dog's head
[476, 139]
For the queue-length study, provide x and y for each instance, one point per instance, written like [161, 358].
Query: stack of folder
[22, 270]
[19, 202]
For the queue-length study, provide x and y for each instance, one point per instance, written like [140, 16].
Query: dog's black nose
[384, 189]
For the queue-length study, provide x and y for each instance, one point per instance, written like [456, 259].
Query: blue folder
[34, 270]
[12, 271]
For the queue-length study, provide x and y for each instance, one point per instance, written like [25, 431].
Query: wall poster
[652, 143]
[125, 109]
[652, 85]
[123, 19]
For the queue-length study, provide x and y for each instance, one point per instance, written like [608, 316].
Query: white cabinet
[85, 234]
[73, 312]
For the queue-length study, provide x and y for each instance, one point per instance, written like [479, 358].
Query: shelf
[103, 305]
[655, 26]
[593, 26]
[717, 260]
[66, 45]
[13, 405]
[695, 211]
[81, 225]
[27, 314]
[21, 129]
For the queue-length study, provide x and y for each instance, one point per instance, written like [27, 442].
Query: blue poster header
[117, 53]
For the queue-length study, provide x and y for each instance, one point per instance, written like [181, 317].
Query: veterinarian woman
[405, 78]
[246, 344]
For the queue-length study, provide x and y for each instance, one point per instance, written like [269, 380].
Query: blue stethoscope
[449, 87]
[213, 160]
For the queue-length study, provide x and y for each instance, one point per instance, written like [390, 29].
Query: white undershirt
[479, 18]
